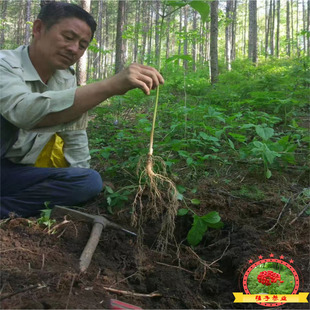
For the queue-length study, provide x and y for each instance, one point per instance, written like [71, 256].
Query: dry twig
[114, 290]
[31, 287]
[70, 292]
[177, 267]
[280, 215]
[300, 214]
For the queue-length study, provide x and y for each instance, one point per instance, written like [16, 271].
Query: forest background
[235, 105]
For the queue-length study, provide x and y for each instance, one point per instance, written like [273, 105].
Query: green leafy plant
[201, 224]
[117, 199]
[45, 218]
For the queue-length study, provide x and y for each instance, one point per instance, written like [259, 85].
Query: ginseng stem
[153, 124]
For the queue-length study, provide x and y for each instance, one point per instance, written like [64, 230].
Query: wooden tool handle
[90, 246]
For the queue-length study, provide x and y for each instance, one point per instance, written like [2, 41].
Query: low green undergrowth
[253, 119]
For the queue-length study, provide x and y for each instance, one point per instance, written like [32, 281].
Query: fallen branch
[227, 246]
[300, 214]
[113, 290]
[70, 292]
[280, 215]
[31, 287]
[18, 248]
[177, 267]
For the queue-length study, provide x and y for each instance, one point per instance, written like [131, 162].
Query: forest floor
[40, 270]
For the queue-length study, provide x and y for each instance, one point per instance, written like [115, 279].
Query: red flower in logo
[269, 277]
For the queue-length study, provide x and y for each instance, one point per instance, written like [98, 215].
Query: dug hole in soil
[40, 269]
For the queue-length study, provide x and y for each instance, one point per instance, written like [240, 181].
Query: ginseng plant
[162, 202]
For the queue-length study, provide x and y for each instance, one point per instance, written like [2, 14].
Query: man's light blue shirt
[25, 100]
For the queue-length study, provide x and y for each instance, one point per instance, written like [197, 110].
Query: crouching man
[39, 98]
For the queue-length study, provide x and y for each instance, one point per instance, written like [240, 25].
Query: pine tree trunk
[4, 5]
[120, 44]
[81, 66]
[266, 29]
[180, 31]
[150, 35]
[168, 36]
[304, 18]
[292, 27]
[228, 34]
[185, 44]
[234, 26]
[252, 48]
[157, 34]
[278, 29]
[107, 57]
[98, 60]
[194, 40]
[27, 22]
[288, 37]
[137, 30]
[245, 27]
[213, 42]
[145, 30]
[272, 9]
[308, 28]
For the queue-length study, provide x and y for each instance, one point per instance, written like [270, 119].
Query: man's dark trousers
[25, 189]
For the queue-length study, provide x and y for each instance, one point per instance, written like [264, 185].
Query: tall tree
[245, 27]
[267, 25]
[99, 38]
[252, 45]
[272, 9]
[4, 5]
[278, 29]
[304, 18]
[81, 65]
[194, 40]
[157, 33]
[185, 41]
[120, 44]
[214, 42]
[308, 28]
[229, 32]
[27, 20]
[137, 29]
[288, 36]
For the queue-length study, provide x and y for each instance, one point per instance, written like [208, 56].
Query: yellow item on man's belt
[52, 156]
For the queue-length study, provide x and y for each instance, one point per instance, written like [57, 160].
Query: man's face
[64, 43]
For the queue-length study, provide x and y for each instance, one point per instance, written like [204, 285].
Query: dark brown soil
[40, 269]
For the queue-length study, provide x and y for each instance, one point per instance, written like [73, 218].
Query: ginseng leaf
[197, 231]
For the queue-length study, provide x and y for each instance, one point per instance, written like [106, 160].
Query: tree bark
[288, 37]
[137, 30]
[245, 27]
[157, 34]
[266, 28]
[252, 47]
[185, 43]
[308, 28]
[3, 16]
[145, 29]
[278, 29]
[81, 65]
[194, 40]
[27, 20]
[120, 44]
[272, 18]
[214, 41]
[229, 33]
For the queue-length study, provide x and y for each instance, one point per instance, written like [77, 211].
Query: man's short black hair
[53, 12]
